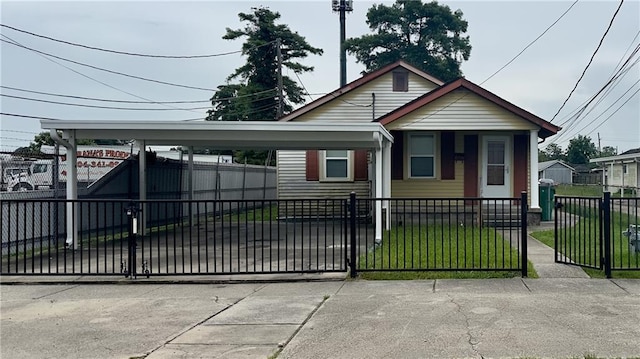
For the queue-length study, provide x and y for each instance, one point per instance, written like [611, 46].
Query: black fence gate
[598, 233]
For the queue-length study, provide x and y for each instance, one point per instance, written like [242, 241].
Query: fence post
[133, 230]
[606, 206]
[556, 227]
[352, 227]
[523, 218]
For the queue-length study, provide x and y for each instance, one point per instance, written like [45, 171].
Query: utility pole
[280, 90]
[342, 6]
[599, 149]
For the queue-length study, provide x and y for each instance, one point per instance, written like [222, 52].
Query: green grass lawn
[584, 235]
[579, 190]
[588, 190]
[414, 252]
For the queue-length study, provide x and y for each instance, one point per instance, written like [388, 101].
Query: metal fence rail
[444, 234]
[185, 237]
[181, 237]
[598, 233]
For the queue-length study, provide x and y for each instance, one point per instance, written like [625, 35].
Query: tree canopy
[552, 152]
[427, 35]
[581, 149]
[255, 96]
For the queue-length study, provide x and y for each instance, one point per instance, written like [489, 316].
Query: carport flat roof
[232, 135]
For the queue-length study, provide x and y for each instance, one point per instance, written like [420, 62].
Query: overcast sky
[539, 80]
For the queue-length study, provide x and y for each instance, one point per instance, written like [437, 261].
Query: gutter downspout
[72, 184]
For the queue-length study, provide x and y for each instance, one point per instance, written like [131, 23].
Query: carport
[229, 136]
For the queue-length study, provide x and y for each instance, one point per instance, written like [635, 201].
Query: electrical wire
[109, 71]
[93, 79]
[134, 102]
[609, 85]
[101, 107]
[505, 65]
[130, 53]
[53, 119]
[610, 106]
[614, 112]
[303, 86]
[532, 42]
[590, 60]
[100, 99]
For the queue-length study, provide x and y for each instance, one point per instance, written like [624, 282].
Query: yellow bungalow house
[451, 139]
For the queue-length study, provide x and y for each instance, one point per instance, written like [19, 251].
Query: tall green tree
[581, 149]
[427, 35]
[255, 97]
[608, 151]
[553, 152]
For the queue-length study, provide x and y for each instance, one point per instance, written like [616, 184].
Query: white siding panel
[461, 110]
[293, 184]
[357, 104]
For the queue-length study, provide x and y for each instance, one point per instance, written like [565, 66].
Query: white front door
[496, 166]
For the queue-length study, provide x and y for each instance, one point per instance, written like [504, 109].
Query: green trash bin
[547, 191]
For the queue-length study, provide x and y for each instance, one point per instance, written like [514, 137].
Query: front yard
[440, 251]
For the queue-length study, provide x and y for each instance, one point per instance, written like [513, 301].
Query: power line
[123, 52]
[614, 112]
[590, 60]
[257, 110]
[101, 107]
[51, 118]
[100, 99]
[505, 65]
[612, 83]
[303, 87]
[614, 80]
[136, 102]
[109, 71]
[532, 42]
[91, 78]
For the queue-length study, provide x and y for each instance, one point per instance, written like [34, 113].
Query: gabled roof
[546, 128]
[544, 165]
[357, 83]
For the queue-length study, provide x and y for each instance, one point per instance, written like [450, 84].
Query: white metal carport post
[533, 160]
[382, 157]
[72, 190]
[386, 182]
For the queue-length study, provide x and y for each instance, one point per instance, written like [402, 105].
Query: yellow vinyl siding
[357, 104]
[432, 187]
[458, 111]
[421, 188]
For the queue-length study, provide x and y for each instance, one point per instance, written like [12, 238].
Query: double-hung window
[422, 155]
[337, 165]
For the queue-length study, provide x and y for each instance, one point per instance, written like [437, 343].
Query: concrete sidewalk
[563, 317]
[543, 257]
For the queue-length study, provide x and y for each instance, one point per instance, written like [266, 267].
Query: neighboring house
[450, 140]
[558, 171]
[621, 171]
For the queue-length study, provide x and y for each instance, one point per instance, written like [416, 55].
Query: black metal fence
[182, 237]
[598, 233]
[442, 234]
